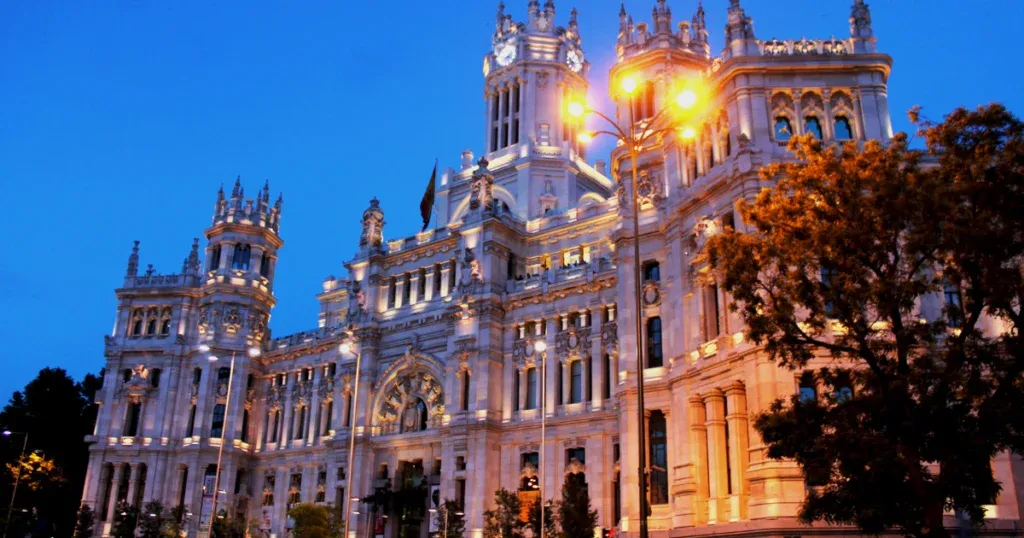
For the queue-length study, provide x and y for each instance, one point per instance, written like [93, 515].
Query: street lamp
[634, 139]
[345, 348]
[542, 347]
[17, 476]
[253, 352]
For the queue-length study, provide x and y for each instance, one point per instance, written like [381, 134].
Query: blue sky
[119, 119]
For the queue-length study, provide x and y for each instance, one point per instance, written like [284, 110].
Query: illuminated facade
[530, 243]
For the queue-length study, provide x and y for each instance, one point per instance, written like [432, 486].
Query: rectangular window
[607, 376]
[460, 492]
[658, 441]
[808, 390]
[245, 426]
[392, 295]
[451, 277]
[217, 424]
[154, 378]
[265, 265]
[295, 489]
[406, 289]
[712, 327]
[131, 428]
[954, 304]
[655, 358]
[827, 275]
[191, 421]
[515, 391]
[531, 388]
[576, 381]
[577, 453]
[422, 281]
[327, 419]
[437, 280]
[215, 258]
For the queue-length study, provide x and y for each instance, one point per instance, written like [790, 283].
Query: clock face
[505, 52]
[574, 59]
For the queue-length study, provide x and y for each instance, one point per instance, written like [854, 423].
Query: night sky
[119, 119]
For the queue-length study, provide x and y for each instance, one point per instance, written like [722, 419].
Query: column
[400, 284]
[744, 112]
[313, 415]
[429, 283]
[121, 468]
[487, 132]
[445, 270]
[133, 483]
[596, 360]
[828, 122]
[717, 458]
[698, 458]
[284, 432]
[736, 420]
[716, 151]
[414, 287]
[521, 372]
[550, 365]
[798, 126]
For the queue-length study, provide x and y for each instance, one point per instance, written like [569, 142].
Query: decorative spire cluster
[191, 264]
[739, 25]
[860, 28]
[133, 261]
[254, 211]
[634, 38]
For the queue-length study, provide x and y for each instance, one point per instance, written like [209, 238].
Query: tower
[531, 72]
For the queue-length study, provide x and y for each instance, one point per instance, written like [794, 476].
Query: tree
[551, 511]
[849, 252]
[336, 521]
[86, 518]
[225, 526]
[451, 518]
[177, 522]
[575, 514]
[33, 471]
[502, 521]
[126, 518]
[153, 520]
[57, 413]
[310, 520]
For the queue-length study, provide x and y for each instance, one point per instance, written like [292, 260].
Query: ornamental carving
[233, 319]
[481, 189]
[356, 304]
[610, 334]
[138, 384]
[205, 318]
[705, 229]
[651, 294]
[575, 467]
[649, 189]
[573, 342]
[414, 403]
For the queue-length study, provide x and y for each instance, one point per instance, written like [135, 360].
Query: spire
[238, 185]
[133, 261]
[573, 24]
[860, 27]
[500, 18]
[662, 17]
[700, 31]
[533, 9]
[192, 262]
[738, 27]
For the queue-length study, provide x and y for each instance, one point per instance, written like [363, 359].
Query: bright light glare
[254, 352]
[576, 109]
[6, 433]
[688, 133]
[585, 138]
[541, 346]
[628, 84]
[686, 99]
[204, 348]
[213, 358]
[345, 347]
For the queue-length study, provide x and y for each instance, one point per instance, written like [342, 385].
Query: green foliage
[336, 520]
[552, 511]
[84, 522]
[452, 512]
[502, 521]
[911, 397]
[176, 522]
[153, 520]
[57, 413]
[311, 521]
[575, 515]
[225, 526]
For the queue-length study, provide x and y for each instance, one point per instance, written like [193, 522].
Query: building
[532, 243]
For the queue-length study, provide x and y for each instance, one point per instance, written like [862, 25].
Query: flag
[427, 203]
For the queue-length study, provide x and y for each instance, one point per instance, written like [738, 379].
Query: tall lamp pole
[17, 476]
[346, 348]
[253, 352]
[633, 138]
[541, 347]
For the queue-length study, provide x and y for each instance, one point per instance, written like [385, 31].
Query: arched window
[151, 326]
[576, 381]
[137, 325]
[217, 424]
[654, 352]
[531, 388]
[813, 126]
[215, 258]
[783, 129]
[240, 260]
[658, 441]
[421, 409]
[843, 129]
[652, 271]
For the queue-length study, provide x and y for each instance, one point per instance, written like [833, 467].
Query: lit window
[827, 275]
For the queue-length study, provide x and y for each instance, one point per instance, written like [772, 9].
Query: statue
[356, 303]
[481, 195]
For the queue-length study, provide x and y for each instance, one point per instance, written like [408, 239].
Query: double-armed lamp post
[345, 348]
[673, 120]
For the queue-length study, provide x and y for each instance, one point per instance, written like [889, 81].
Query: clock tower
[531, 72]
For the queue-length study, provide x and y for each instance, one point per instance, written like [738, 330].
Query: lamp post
[447, 516]
[17, 476]
[542, 348]
[346, 348]
[660, 124]
[253, 352]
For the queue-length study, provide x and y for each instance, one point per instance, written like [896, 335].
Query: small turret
[191, 266]
[133, 261]
[700, 30]
[533, 10]
[574, 25]
[372, 238]
[549, 10]
[625, 27]
[860, 28]
[739, 32]
[662, 18]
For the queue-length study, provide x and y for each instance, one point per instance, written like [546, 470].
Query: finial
[622, 10]
[238, 185]
[266, 192]
[133, 261]
[482, 166]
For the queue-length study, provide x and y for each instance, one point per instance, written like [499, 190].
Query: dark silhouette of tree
[452, 512]
[85, 521]
[575, 514]
[843, 258]
[57, 413]
[551, 511]
[311, 521]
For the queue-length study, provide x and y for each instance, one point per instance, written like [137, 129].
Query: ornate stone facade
[532, 243]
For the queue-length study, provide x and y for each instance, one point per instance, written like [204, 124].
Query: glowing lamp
[204, 348]
[541, 346]
[686, 99]
[689, 133]
[585, 138]
[254, 352]
[576, 109]
[345, 347]
[628, 85]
